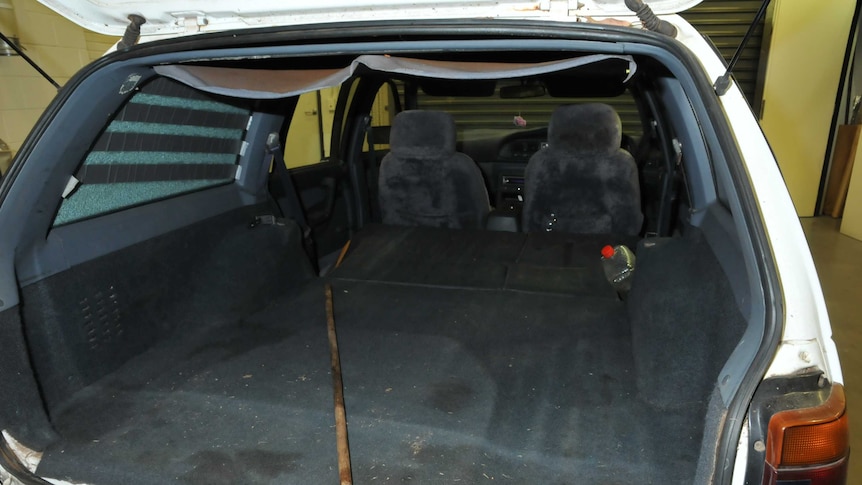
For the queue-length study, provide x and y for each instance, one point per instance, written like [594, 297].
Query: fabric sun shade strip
[115, 174]
[271, 84]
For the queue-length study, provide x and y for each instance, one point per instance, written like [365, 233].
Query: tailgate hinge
[560, 7]
[191, 21]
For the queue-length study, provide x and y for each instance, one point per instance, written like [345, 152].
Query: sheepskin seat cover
[424, 181]
[583, 182]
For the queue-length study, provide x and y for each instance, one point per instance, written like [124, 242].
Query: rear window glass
[494, 116]
[167, 140]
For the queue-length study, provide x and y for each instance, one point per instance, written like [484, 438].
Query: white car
[173, 268]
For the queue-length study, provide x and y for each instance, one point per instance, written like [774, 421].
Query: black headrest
[592, 127]
[422, 134]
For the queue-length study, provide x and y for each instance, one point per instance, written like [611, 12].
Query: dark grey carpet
[441, 385]
[242, 403]
[465, 360]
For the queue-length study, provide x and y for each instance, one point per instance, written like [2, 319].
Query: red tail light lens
[832, 474]
[809, 445]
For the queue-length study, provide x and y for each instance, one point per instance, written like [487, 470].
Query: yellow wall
[304, 145]
[802, 73]
[60, 47]
[382, 111]
[304, 138]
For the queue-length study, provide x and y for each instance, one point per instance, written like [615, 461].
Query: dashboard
[503, 161]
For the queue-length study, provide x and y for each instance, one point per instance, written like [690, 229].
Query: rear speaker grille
[101, 314]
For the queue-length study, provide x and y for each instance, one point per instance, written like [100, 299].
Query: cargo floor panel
[441, 385]
[545, 262]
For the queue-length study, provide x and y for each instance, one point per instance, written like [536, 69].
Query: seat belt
[373, 171]
[287, 196]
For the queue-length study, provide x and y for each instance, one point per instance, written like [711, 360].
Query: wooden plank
[344, 470]
[851, 224]
[846, 145]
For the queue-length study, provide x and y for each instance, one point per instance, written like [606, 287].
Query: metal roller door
[725, 23]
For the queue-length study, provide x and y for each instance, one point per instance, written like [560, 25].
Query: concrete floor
[838, 259]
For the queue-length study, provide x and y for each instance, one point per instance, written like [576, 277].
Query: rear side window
[167, 140]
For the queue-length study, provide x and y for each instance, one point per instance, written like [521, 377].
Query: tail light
[810, 445]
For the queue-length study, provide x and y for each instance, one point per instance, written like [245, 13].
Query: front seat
[582, 182]
[423, 181]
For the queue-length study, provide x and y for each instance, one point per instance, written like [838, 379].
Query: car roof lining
[274, 84]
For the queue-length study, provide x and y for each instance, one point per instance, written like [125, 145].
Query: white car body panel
[806, 322]
[183, 17]
[806, 340]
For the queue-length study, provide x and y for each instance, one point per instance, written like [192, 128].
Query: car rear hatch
[177, 18]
